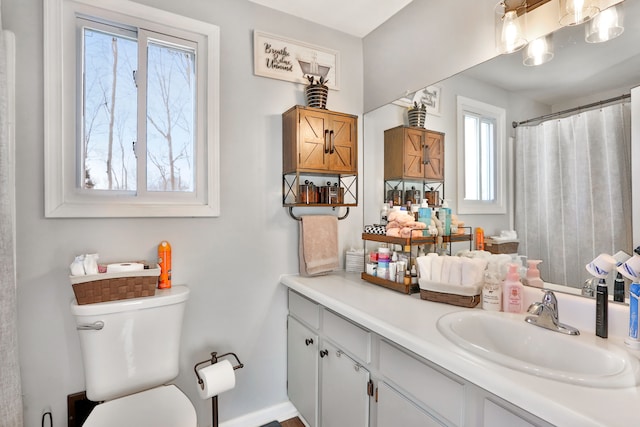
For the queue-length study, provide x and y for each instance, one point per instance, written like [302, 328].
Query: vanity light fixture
[605, 26]
[574, 12]
[510, 27]
[538, 51]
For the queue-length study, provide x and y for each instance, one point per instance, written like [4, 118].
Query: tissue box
[462, 296]
[105, 287]
[500, 246]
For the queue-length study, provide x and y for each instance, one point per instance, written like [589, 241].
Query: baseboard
[280, 412]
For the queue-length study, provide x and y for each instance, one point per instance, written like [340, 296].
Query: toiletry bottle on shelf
[602, 309]
[384, 213]
[618, 288]
[446, 217]
[424, 216]
[164, 261]
[414, 275]
[533, 274]
[479, 239]
[512, 290]
[407, 277]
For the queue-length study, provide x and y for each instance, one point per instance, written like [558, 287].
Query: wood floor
[293, 422]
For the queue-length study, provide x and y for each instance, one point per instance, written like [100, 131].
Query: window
[140, 136]
[481, 136]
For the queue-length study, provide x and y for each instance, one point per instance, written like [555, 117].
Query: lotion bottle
[491, 293]
[512, 291]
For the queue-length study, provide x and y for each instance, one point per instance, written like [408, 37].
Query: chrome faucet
[545, 315]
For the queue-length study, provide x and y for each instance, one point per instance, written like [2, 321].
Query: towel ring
[297, 218]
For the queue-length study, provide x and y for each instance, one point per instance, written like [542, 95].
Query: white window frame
[499, 204]
[63, 197]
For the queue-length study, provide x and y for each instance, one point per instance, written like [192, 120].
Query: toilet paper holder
[213, 360]
[214, 399]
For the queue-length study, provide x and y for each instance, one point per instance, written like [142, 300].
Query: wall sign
[429, 96]
[291, 60]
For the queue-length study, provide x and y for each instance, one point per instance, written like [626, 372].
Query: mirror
[580, 73]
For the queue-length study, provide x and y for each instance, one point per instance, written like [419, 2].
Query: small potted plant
[317, 92]
[417, 114]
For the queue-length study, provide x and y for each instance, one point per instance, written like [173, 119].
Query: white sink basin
[508, 340]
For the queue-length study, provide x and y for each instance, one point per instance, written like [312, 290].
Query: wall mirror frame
[581, 73]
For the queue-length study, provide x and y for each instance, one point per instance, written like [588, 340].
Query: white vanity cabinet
[302, 370]
[344, 398]
[327, 381]
[395, 409]
[442, 395]
[336, 366]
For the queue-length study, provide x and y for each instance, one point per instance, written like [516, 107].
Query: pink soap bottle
[533, 274]
[512, 291]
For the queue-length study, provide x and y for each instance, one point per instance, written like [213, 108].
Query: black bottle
[602, 309]
[618, 289]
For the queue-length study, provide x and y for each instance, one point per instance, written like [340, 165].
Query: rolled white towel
[455, 270]
[436, 269]
[424, 267]
[472, 271]
[446, 269]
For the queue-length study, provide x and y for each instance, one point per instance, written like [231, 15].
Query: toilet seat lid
[160, 406]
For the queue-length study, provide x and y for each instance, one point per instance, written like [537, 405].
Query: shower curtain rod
[571, 110]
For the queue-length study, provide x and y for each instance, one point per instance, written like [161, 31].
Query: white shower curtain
[573, 191]
[10, 388]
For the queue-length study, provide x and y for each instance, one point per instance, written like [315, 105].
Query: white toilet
[130, 351]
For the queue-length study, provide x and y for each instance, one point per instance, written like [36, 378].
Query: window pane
[487, 160]
[109, 111]
[170, 118]
[471, 157]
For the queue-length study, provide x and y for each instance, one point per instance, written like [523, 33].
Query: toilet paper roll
[124, 266]
[218, 378]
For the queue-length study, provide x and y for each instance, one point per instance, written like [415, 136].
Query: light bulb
[606, 26]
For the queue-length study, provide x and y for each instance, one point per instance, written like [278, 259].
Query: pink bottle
[512, 291]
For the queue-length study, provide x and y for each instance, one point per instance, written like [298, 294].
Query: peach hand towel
[318, 249]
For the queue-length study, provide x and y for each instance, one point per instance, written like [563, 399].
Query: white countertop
[411, 322]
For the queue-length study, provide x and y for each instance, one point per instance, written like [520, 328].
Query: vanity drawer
[444, 395]
[348, 335]
[304, 309]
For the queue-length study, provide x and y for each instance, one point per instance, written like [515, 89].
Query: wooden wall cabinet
[319, 146]
[319, 141]
[413, 153]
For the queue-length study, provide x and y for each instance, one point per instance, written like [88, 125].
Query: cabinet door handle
[326, 142]
[426, 155]
[324, 353]
[308, 341]
[332, 140]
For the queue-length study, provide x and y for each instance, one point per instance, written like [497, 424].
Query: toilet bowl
[130, 352]
[160, 406]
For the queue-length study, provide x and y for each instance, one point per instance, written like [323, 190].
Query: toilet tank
[137, 347]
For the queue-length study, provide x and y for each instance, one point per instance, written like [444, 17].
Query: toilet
[130, 350]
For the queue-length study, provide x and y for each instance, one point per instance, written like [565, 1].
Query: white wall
[425, 42]
[231, 263]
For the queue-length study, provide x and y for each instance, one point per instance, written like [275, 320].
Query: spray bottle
[164, 261]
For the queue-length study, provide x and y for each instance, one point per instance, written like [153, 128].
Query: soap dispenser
[533, 274]
[512, 291]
